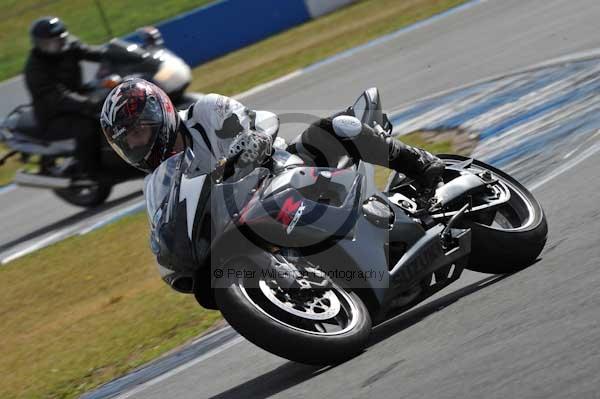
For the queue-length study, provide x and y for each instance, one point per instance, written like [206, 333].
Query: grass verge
[86, 310]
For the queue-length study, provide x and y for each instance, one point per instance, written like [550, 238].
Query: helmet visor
[53, 45]
[134, 139]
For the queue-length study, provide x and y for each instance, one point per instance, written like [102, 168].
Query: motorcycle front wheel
[320, 327]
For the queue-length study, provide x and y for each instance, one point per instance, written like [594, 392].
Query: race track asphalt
[532, 334]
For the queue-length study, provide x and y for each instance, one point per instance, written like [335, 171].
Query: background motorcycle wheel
[274, 330]
[87, 197]
[515, 237]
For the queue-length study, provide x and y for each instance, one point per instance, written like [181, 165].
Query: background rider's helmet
[140, 123]
[49, 35]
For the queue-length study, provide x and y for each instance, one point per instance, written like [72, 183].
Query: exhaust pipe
[183, 284]
[41, 181]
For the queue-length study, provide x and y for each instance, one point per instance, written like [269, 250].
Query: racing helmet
[49, 35]
[140, 123]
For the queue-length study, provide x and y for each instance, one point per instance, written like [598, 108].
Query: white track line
[34, 247]
[113, 217]
[71, 231]
[565, 167]
[179, 369]
[8, 188]
[268, 85]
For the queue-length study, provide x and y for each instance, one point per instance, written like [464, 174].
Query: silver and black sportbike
[303, 260]
[19, 131]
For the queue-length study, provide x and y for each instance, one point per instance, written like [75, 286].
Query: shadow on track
[273, 382]
[409, 318]
[291, 373]
[79, 216]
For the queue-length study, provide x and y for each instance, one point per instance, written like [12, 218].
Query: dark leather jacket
[55, 82]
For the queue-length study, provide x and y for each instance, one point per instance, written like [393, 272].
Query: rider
[142, 126]
[54, 80]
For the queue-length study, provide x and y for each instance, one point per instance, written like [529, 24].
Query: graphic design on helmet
[140, 123]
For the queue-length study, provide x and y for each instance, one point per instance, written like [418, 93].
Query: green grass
[83, 20]
[86, 310]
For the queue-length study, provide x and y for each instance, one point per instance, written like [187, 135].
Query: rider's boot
[417, 163]
[380, 149]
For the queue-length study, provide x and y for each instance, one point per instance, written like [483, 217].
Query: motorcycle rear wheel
[86, 197]
[514, 236]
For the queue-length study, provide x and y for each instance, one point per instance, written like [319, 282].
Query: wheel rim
[327, 312]
[517, 213]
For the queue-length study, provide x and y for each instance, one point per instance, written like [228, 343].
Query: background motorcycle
[19, 130]
[284, 237]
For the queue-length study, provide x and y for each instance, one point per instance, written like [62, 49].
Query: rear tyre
[86, 197]
[514, 236]
[298, 333]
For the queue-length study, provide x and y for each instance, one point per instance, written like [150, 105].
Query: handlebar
[225, 168]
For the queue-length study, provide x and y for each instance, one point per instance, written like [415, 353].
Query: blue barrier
[227, 25]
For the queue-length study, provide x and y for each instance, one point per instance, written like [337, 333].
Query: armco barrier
[227, 25]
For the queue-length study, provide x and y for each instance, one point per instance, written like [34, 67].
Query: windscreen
[159, 184]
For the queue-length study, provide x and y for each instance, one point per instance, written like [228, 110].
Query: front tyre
[326, 326]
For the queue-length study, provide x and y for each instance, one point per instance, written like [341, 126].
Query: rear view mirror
[367, 107]
[360, 108]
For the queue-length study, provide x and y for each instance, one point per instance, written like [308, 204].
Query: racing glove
[254, 148]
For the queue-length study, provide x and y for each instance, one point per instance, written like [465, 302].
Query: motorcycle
[302, 260]
[19, 131]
